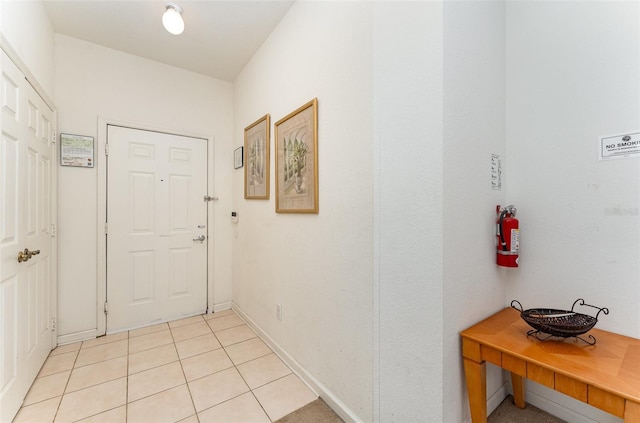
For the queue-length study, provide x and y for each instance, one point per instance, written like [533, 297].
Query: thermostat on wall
[234, 217]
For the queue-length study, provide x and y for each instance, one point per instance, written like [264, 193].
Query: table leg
[631, 412]
[476, 375]
[517, 382]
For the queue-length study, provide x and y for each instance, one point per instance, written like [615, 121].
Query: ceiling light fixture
[172, 19]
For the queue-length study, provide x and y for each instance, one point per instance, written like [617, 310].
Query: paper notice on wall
[76, 150]
[496, 172]
[620, 146]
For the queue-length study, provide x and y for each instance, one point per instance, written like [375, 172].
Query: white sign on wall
[620, 146]
[76, 150]
[496, 172]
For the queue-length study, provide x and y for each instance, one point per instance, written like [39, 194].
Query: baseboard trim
[568, 414]
[77, 336]
[318, 388]
[221, 307]
[562, 406]
[497, 397]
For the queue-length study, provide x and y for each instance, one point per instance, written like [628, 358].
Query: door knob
[23, 255]
[201, 238]
[26, 255]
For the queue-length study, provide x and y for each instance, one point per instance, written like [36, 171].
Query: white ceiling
[220, 36]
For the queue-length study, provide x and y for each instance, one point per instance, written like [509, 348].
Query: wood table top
[613, 364]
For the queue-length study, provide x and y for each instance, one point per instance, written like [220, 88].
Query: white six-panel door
[26, 207]
[156, 213]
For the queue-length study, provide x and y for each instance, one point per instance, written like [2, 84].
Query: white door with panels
[27, 268]
[156, 227]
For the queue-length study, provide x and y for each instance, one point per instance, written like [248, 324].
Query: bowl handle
[517, 302]
[582, 303]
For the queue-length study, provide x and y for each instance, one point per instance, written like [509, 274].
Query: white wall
[318, 267]
[474, 129]
[92, 81]
[408, 207]
[572, 77]
[361, 286]
[26, 27]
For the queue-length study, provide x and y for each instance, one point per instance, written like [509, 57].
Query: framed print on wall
[238, 158]
[256, 170]
[296, 137]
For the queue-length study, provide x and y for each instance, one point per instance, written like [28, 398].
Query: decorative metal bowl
[562, 323]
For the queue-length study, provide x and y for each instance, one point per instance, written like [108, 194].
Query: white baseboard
[221, 307]
[563, 406]
[496, 399]
[334, 402]
[77, 337]
[573, 416]
[93, 333]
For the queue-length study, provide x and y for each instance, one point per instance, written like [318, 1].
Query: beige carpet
[316, 412]
[507, 412]
[319, 412]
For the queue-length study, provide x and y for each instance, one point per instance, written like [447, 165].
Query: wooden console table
[605, 375]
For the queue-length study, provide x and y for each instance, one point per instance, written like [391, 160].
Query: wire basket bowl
[561, 323]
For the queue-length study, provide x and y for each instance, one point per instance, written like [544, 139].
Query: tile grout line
[241, 376]
[195, 410]
[252, 390]
[73, 366]
[233, 366]
[126, 390]
[155, 367]
[230, 360]
[102, 361]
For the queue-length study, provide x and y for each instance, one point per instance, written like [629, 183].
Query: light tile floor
[209, 368]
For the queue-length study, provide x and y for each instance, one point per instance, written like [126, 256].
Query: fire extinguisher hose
[503, 243]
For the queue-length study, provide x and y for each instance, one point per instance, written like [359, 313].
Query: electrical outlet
[279, 311]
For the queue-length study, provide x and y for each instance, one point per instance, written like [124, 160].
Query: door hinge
[209, 198]
[106, 149]
[54, 324]
[106, 228]
[53, 137]
[53, 230]
[106, 307]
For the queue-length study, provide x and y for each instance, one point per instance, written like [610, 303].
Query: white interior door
[156, 219]
[26, 204]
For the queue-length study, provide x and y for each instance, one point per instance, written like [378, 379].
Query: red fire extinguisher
[508, 234]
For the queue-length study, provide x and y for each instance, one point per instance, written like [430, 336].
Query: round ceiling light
[172, 19]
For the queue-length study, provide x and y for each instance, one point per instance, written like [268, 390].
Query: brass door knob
[23, 255]
[26, 255]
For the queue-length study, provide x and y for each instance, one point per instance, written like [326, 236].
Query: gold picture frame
[296, 138]
[256, 150]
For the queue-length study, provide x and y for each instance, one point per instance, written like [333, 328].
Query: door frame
[100, 158]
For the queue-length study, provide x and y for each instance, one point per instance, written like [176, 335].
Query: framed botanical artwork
[296, 151]
[256, 169]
